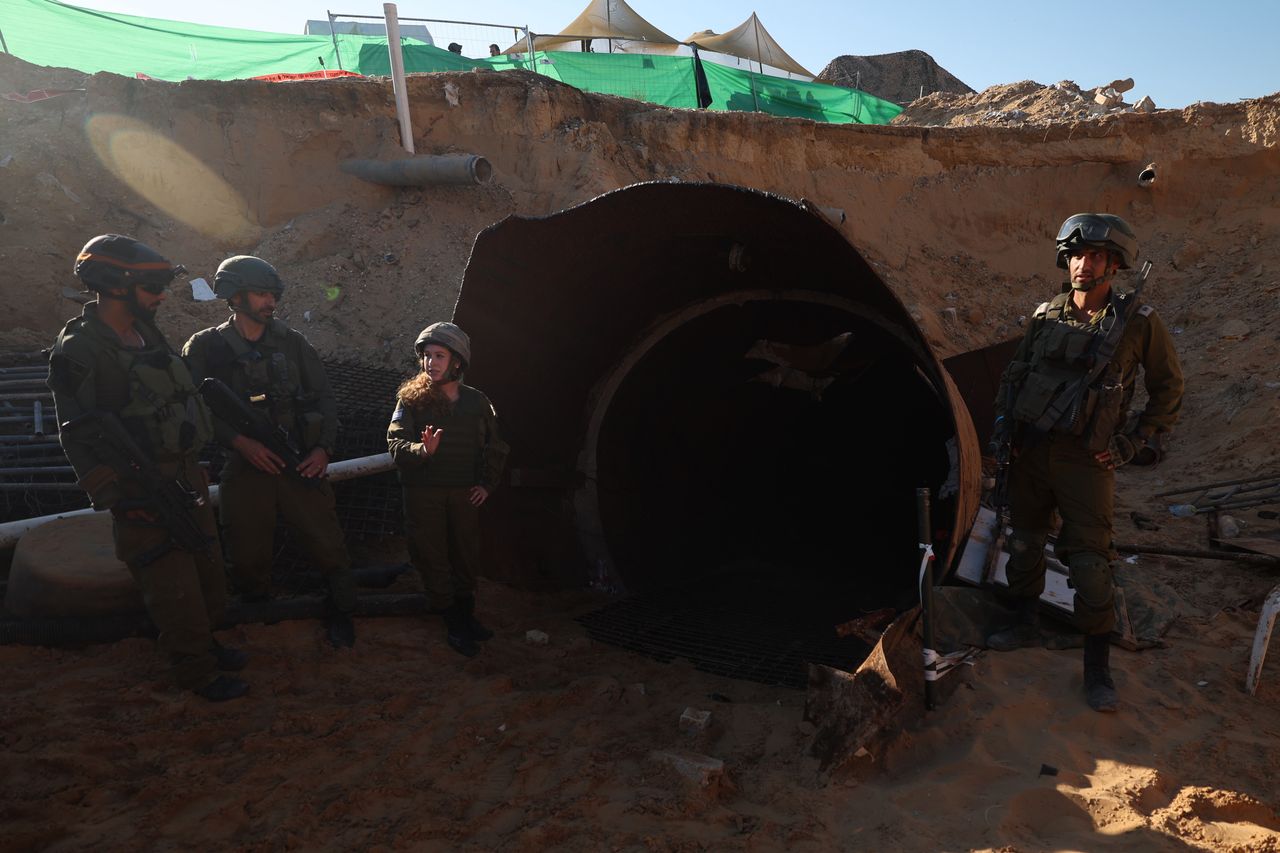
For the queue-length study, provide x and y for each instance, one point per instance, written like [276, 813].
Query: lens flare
[169, 177]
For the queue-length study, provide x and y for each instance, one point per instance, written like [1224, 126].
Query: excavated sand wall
[950, 218]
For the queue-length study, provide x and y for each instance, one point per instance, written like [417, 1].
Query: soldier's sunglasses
[159, 282]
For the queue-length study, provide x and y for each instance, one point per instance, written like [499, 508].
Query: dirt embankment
[528, 747]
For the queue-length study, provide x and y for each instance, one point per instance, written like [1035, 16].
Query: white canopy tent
[602, 19]
[749, 40]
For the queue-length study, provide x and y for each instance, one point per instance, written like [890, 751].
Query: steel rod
[13, 472]
[1203, 486]
[426, 20]
[1226, 556]
[47, 395]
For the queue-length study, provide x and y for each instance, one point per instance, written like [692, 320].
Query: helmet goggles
[1097, 229]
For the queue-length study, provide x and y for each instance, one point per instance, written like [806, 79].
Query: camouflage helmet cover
[446, 335]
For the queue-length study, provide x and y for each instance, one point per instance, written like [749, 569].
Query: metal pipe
[428, 20]
[428, 170]
[35, 380]
[925, 532]
[1204, 486]
[26, 439]
[347, 469]
[39, 487]
[397, 75]
[1227, 556]
[60, 469]
[337, 54]
[37, 418]
[47, 395]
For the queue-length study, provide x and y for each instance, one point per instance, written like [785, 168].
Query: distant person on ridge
[444, 438]
[1062, 406]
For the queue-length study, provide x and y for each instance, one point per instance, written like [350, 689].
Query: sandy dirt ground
[401, 744]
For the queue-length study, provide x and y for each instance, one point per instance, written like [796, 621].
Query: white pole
[397, 75]
[347, 469]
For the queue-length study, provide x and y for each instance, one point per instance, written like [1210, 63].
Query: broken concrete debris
[694, 720]
[698, 768]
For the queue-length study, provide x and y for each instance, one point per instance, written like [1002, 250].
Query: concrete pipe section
[709, 392]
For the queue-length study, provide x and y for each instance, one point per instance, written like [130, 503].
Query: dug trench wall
[957, 222]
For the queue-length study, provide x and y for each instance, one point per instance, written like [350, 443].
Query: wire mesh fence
[36, 479]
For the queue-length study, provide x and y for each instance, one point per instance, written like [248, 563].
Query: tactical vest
[273, 386]
[1061, 357]
[163, 402]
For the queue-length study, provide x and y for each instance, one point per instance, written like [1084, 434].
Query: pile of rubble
[1027, 102]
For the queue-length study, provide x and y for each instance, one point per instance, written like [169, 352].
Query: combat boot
[223, 688]
[467, 610]
[1023, 632]
[229, 660]
[458, 636]
[340, 630]
[1099, 689]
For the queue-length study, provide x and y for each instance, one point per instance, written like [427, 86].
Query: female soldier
[444, 440]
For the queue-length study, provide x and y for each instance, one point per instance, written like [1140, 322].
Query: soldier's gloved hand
[1119, 452]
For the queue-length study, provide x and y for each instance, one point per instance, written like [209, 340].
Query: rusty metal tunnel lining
[586, 359]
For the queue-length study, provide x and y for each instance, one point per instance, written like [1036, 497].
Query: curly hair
[420, 394]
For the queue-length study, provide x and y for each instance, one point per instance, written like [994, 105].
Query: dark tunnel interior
[792, 504]
[692, 431]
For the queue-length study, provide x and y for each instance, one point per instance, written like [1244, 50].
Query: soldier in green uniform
[112, 362]
[444, 440]
[1064, 396]
[277, 371]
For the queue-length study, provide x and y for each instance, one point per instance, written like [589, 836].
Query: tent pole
[332, 34]
[528, 36]
[3, 45]
[759, 61]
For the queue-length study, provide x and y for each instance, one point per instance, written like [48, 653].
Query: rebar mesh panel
[753, 631]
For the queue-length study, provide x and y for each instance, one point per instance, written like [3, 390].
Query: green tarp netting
[45, 32]
[666, 80]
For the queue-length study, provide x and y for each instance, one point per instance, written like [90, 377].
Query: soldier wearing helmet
[276, 370]
[444, 439]
[113, 360]
[1063, 404]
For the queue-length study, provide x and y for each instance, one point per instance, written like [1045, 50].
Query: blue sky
[1177, 51]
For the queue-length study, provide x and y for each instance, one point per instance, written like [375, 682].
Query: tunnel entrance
[728, 429]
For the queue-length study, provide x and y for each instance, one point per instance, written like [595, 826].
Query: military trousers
[184, 592]
[250, 501]
[1057, 472]
[443, 531]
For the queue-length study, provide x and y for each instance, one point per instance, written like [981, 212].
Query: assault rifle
[171, 499]
[229, 407]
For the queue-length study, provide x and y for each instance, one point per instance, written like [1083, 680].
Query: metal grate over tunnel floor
[765, 633]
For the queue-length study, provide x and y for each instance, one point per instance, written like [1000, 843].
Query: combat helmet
[245, 272]
[111, 261]
[1101, 230]
[446, 335]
